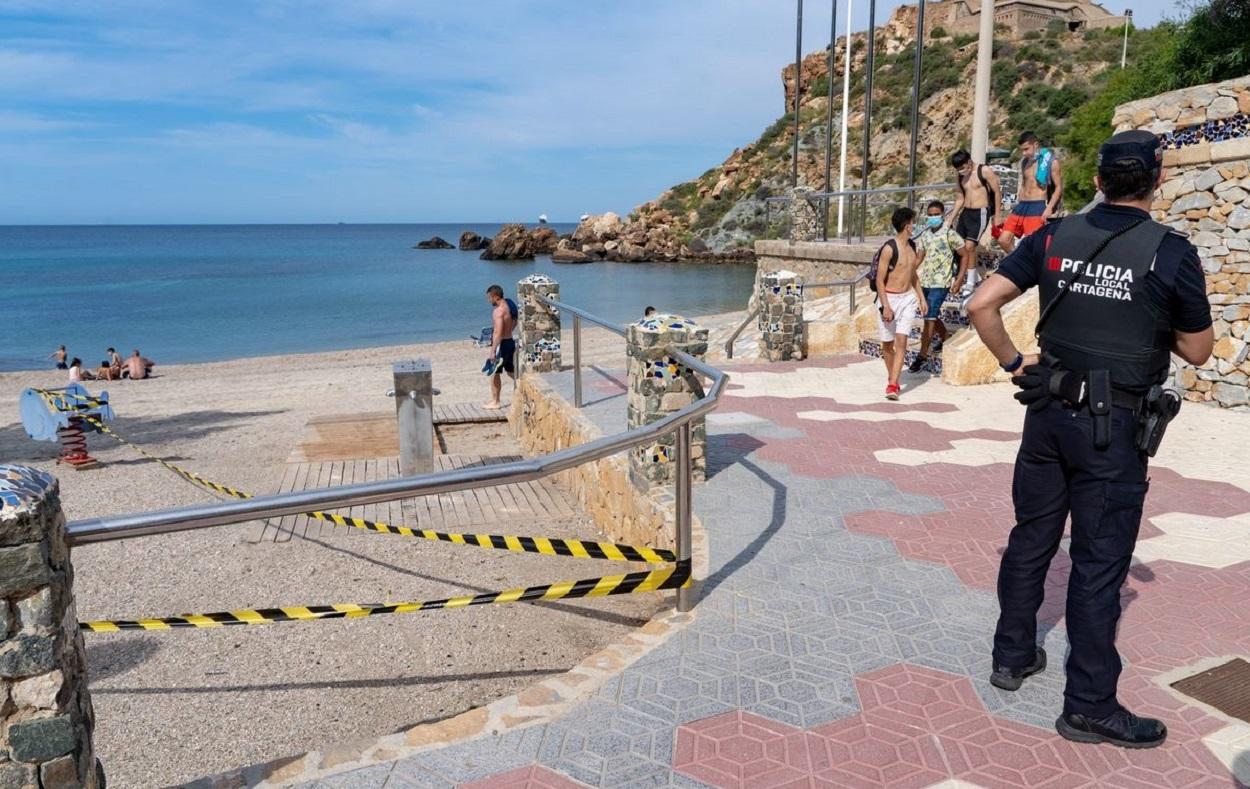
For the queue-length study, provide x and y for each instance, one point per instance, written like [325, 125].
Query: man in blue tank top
[1118, 295]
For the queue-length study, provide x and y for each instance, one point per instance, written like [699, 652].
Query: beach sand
[172, 706]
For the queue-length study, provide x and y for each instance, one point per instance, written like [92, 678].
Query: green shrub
[1213, 45]
[938, 32]
[1005, 76]
[964, 40]
[1032, 35]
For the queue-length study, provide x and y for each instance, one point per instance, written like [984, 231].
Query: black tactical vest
[1106, 321]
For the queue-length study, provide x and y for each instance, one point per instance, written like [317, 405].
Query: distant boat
[584, 217]
[542, 219]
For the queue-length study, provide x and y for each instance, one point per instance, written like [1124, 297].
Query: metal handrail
[853, 282]
[826, 198]
[221, 513]
[579, 315]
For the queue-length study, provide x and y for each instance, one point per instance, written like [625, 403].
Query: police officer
[1118, 294]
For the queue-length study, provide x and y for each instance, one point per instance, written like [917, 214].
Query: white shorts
[906, 313]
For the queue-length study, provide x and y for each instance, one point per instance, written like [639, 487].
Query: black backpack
[875, 265]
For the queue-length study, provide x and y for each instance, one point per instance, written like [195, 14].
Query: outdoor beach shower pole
[846, 102]
[798, 73]
[981, 107]
[872, 51]
[915, 103]
[833, 42]
[683, 511]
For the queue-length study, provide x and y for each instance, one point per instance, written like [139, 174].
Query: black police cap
[1130, 150]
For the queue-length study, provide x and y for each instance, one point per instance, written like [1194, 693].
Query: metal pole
[682, 510]
[577, 361]
[846, 100]
[915, 102]
[872, 53]
[981, 105]
[829, 108]
[833, 42]
[1128, 16]
[798, 74]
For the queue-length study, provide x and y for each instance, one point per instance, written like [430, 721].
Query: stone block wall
[1206, 195]
[544, 422]
[781, 316]
[659, 386]
[46, 720]
[538, 324]
[804, 214]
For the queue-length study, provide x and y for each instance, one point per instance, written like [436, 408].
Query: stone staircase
[956, 322]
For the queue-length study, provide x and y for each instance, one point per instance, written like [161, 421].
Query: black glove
[1039, 384]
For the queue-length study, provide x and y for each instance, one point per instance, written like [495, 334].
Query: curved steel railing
[116, 527]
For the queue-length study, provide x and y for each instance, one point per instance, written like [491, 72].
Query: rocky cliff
[1038, 79]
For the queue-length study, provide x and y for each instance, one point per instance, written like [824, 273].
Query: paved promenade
[843, 634]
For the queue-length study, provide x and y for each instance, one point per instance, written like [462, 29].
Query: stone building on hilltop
[963, 17]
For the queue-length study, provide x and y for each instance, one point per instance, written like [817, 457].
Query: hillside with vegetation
[1063, 85]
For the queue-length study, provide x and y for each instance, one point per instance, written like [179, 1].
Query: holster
[1099, 382]
[1159, 407]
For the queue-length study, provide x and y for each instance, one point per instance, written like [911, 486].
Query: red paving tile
[532, 777]
[920, 726]
[1174, 614]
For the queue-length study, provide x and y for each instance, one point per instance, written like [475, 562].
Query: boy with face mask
[941, 245]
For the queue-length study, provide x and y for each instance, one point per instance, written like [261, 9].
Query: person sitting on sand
[76, 374]
[648, 312]
[503, 348]
[137, 367]
[105, 372]
[59, 357]
[114, 364]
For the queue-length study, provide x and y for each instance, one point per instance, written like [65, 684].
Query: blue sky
[382, 111]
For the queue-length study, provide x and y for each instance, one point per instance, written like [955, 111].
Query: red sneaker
[892, 391]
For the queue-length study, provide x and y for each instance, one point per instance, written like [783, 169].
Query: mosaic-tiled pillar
[539, 324]
[781, 316]
[46, 720]
[658, 386]
[804, 218]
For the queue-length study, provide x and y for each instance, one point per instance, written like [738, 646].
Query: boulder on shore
[433, 243]
[543, 240]
[470, 241]
[567, 253]
[512, 242]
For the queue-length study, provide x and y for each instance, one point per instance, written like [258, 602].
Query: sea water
[196, 293]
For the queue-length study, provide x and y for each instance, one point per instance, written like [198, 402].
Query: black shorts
[507, 352]
[972, 224]
[62, 366]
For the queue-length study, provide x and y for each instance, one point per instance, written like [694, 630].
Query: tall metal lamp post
[798, 79]
[981, 106]
[1128, 18]
[915, 101]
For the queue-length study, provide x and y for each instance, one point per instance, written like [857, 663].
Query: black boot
[1121, 728]
[1013, 678]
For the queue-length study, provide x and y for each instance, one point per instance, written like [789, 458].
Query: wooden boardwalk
[374, 435]
[497, 510]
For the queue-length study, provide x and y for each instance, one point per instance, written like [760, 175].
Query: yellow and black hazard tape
[675, 576]
[550, 546]
[80, 403]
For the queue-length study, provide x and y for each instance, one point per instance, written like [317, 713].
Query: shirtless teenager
[902, 301]
[60, 357]
[976, 209]
[1040, 173]
[503, 348]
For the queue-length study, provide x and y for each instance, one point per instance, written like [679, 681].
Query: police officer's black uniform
[1114, 325]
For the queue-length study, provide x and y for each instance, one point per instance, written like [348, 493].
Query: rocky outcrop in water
[433, 243]
[471, 242]
[512, 242]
